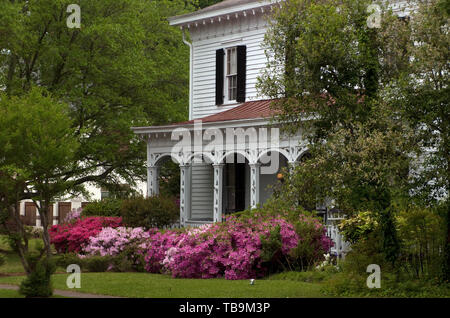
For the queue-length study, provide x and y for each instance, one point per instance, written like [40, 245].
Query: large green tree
[329, 71]
[424, 98]
[124, 67]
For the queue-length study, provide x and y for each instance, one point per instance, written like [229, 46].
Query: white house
[227, 152]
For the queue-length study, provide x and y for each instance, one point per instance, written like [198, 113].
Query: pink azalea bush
[112, 241]
[242, 247]
[234, 249]
[72, 237]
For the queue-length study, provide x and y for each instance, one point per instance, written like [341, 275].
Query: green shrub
[64, 260]
[107, 207]
[358, 226]
[38, 282]
[97, 263]
[123, 263]
[2, 260]
[157, 211]
[422, 237]
[91, 264]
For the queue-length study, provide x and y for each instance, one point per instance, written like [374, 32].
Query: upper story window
[231, 74]
[231, 69]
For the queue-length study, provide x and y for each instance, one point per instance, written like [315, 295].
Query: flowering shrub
[72, 237]
[242, 247]
[111, 241]
[232, 249]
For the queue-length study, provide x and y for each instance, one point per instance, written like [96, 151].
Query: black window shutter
[219, 76]
[241, 73]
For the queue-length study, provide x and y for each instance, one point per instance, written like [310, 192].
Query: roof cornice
[208, 16]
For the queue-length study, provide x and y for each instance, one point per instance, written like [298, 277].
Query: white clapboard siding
[206, 40]
[202, 192]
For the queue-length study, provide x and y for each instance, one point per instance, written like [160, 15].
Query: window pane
[232, 87]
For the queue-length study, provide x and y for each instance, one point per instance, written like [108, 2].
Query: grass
[13, 265]
[6, 293]
[146, 285]
[158, 286]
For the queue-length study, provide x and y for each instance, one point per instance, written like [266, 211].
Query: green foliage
[271, 254]
[353, 285]
[38, 283]
[422, 236]
[126, 66]
[157, 211]
[90, 264]
[2, 260]
[96, 263]
[358, 226]
[169, 179]
[106, 207]
[64, 260]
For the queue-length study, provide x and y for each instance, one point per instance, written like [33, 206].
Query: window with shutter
[234, 69]
[232, 73]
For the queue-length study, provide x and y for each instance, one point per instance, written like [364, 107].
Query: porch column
[185, 194]
[218, 188]
[152, 181]
[254, 184]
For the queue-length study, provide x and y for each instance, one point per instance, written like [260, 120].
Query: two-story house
[227, 152]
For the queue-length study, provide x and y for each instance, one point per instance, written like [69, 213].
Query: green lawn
[6, 293]
[161, 286]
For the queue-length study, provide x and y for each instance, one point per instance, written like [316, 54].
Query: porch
[227, 161]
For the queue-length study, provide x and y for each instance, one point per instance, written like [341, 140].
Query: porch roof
[247, 110]
[248, 113]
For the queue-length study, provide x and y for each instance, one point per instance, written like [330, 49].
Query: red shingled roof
[248, 110]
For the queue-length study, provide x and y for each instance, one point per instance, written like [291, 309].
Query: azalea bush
[72, 237]
[251, 244]
[245, 246]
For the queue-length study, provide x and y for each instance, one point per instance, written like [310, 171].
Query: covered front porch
[227, 163]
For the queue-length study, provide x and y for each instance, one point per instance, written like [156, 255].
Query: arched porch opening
[163, 177]
[274, 165]
[236, 183]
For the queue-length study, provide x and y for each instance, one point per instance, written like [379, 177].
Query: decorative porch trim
[185, 195]
[152, 181]
[254, 184]
[218, 190]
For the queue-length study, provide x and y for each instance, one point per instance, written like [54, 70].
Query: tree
[424, 99]
[124, 67]
[329, 73]
[37, 143]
